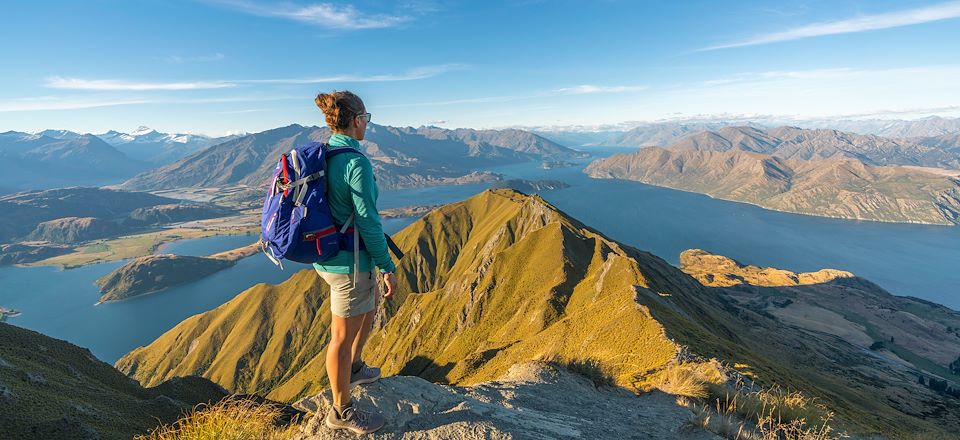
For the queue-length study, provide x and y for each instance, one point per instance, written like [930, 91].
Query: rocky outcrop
[531, 401]
[156, 272]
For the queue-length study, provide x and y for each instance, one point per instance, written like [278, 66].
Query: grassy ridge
[503, 278]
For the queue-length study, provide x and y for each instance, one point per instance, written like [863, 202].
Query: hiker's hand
[391, 281]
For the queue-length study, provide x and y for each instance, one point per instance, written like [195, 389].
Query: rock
[6, 394]
[5, 364]
[533, 400]
[35, 378]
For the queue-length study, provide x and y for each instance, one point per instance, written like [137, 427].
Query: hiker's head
[345, 113]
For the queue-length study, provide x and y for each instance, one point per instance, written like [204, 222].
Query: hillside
[465, 313]
[153, 273]
[51, 389]
[469, 308]
[902, 346]
[24, 211]
[174, 213]
[401, 157]
[71, 230]
[836, 187]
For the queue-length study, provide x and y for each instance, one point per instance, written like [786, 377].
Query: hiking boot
[354, 419]
[366, 374]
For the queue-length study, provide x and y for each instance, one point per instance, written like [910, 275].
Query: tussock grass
[230, 419]
[589, 368]
[688, 379]
[738, 414]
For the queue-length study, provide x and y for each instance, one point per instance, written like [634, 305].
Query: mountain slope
[25, 211]
[843, 188]
[503, 278]
[52, 389]
[401, 157]
[465, 313]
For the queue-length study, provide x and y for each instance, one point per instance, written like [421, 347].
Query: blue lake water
[916, 260]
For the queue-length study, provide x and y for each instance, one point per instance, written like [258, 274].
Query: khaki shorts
[347, 300]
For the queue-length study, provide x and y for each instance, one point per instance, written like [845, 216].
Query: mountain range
[503, 278]
[401, 157]
[819, 172]
[666, 132]
[54, 158]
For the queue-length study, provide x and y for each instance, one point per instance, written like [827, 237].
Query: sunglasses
[364, 116]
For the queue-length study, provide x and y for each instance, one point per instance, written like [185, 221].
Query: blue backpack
[296, 223]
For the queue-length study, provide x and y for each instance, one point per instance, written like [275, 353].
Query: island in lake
[154, 273]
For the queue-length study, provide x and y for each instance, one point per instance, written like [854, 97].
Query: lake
[916, 260]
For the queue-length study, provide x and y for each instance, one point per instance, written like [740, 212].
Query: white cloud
[58, 82]
[48, 103]
[888, 20]
[586, 88]
[41, 103]
[413, 74]
[326, 15]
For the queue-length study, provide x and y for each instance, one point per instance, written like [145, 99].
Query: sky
[227, 66]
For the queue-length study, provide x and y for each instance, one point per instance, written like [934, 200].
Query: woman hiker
[354, 296]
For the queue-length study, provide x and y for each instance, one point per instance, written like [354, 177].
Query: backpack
[296, 223]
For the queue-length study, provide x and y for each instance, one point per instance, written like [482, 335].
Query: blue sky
[223, 66]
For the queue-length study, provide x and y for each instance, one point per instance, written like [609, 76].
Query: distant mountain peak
[142, 130]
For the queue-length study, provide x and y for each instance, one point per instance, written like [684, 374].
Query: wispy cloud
[326, 15]
[888, 20]
[413, 74]
[774, 75]
[58, 82]
[177, 59]
[587, 89]
[574, 90]
[49, 103]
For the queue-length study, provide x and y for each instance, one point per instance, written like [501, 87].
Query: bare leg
[366, 327]
[342, 332]
[362, 335]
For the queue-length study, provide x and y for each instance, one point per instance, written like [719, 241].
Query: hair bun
[339, 108]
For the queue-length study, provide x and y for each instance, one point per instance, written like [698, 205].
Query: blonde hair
[339, 108]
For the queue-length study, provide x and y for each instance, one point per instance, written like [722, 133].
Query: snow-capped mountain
[149, 145]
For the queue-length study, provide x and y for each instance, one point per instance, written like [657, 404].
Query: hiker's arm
[367, 217]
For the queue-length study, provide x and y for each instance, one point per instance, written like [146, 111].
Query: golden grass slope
[502, 278]
[497, 279]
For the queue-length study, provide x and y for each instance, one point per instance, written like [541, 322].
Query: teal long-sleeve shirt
[352, 188]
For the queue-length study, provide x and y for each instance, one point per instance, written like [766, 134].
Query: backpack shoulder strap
[331, 152]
